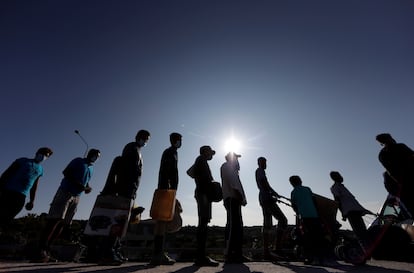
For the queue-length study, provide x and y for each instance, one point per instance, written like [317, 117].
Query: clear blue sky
[307, 84]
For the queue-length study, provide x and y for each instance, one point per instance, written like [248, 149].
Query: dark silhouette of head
[93, 155]
[385, 139]
[261, 161]
[175, 139]
[143, 135]
[45, 151]
[207, 151]
[336, 176]
[295, 180]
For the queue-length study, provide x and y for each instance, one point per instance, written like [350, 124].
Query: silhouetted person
[267, 199]
[398, 160]
[123, 181]
[234, 198]
[203, 177]
[350, 208]
[125, 173]
[77, 175]
[304, 206]
[167, 179]
[18, 181]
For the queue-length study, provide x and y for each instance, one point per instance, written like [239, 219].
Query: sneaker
[206, 261]
[162, 259]
[42, 257]
[308, 261]
[121, 257]
[52, 259]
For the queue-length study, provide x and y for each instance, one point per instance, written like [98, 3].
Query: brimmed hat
[384, 138]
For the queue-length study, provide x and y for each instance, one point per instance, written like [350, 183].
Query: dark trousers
[201, 240]
[271, 209]
[314, 242]
[357, 223]
[50, 233]
[11, 203]
[234, 228]
[204, 216]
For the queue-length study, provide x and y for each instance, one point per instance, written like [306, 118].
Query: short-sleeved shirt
[302, 198]
[26, 172]
[77, 171]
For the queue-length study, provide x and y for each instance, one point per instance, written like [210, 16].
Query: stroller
[391, 235]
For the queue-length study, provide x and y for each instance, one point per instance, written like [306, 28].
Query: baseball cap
[232, 155]
[206, 148]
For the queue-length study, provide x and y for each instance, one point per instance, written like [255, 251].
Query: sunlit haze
[232, 144]
[306, 84]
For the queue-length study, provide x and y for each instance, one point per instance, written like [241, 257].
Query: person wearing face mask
[126, 170]
[167, 179]
[17, 182]
[77, 175]
[123, 181]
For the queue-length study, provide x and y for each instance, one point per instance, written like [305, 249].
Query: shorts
[63, 206]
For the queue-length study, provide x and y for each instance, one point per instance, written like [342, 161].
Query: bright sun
[232, 145]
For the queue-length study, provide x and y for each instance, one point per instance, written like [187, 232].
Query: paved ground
[253, 267]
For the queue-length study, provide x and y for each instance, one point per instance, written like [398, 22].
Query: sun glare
[232, 145]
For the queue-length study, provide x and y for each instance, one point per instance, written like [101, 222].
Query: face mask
[141, 143]
[93, 159]
[40, 157]
[177, 144]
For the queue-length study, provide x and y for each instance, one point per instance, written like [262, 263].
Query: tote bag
[110, 216]
[215, 192]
